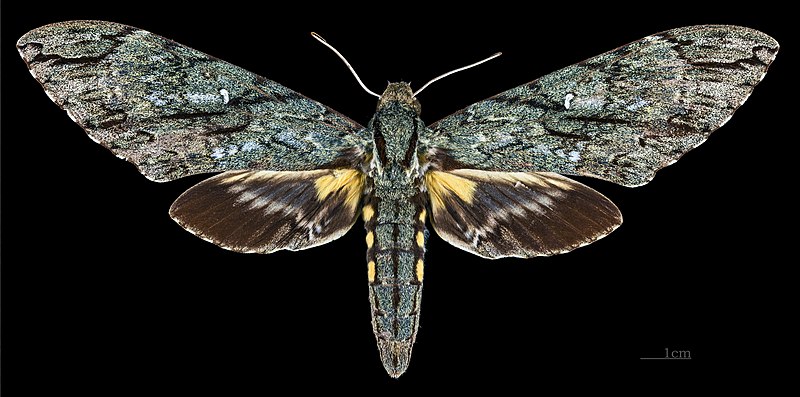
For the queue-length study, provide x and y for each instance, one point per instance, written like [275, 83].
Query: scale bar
[665, 358]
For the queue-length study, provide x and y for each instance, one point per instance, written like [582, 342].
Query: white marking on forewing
[567, 100]
[218, 153]
[249, 145]
[636, 105]
[225, 96]
[592, 102]
[153, 97]
[200, 98]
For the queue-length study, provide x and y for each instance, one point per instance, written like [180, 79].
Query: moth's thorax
[395, 130]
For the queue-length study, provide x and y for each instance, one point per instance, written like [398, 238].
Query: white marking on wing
[218, 153]
[636, 105]
[567, 100]
[200, 98]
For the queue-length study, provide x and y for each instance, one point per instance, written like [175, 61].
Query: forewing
[620, 116]
[266, 211]
[500, 214]
[173, 111]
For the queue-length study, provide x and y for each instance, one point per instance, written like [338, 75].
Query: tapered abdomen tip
[395, 355]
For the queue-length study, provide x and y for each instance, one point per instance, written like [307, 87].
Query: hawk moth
[294, 174]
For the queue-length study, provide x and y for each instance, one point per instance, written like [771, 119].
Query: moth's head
[399, 92]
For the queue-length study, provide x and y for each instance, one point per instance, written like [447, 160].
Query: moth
[294, 174]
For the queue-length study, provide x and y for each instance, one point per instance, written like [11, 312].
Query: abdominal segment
[395, 252]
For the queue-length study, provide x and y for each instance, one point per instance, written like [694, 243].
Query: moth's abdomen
[395, 252]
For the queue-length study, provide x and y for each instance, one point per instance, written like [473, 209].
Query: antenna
[321, 40]
[456, 71]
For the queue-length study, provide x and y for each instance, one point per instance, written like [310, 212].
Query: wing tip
[48, 32]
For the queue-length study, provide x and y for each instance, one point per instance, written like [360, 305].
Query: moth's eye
[417, 106]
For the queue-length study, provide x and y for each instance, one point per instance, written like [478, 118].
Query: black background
[102, 292]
